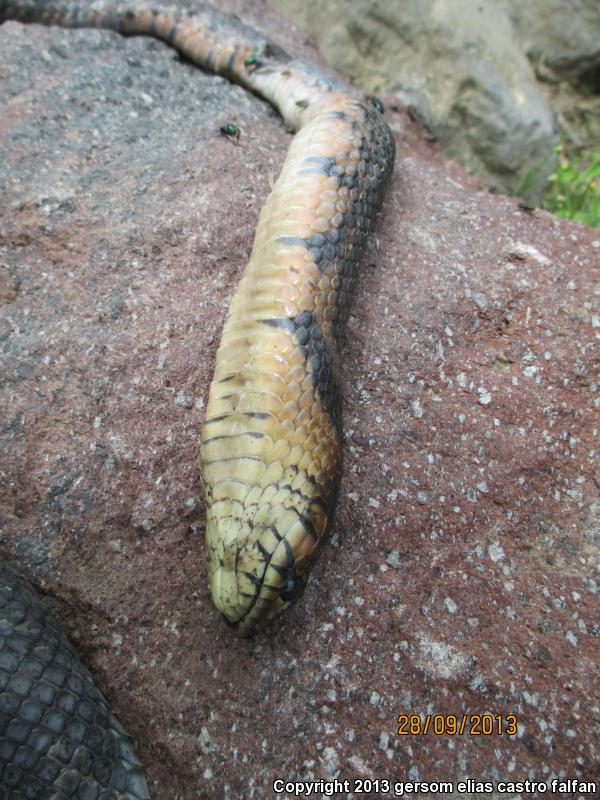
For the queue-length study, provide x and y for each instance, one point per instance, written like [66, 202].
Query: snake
[270, 455]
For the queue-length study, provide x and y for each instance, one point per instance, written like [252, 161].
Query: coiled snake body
[270, 454]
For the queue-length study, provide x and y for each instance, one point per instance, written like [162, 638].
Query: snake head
[259, 562]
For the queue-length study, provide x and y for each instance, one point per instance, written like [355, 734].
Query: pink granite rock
[462, 577]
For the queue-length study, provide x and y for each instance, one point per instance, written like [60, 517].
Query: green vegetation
[575, 188]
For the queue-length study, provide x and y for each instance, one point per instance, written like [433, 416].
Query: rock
[458, 66]
[564, 39]
[124, 226]
[563, 44]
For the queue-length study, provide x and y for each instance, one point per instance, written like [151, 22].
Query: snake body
[270, 453]
[58, 737]
[271, 444]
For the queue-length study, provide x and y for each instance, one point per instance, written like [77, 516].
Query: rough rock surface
[564, 37]
[562, 41]
[463, 574]
[459, 65]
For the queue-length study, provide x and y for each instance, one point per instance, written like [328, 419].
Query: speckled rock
[462, 577]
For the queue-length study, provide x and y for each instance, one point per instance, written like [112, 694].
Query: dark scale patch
[151, 25]
[337, 252]
[44, 732]
[209, 59]
[252, 434]
[336, 115]
[293, 587]
[264, 552]
[249, 414]
[310, 528]
[319, 359]
[318, 165]
[292, 240]
[231, 63]
[325, 161]
[253, 578]
[232, 458]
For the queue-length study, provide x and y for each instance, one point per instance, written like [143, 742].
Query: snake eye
[293, 588]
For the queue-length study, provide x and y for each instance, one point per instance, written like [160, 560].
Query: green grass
[575, 188]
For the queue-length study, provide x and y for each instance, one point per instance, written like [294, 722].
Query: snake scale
[270, 451]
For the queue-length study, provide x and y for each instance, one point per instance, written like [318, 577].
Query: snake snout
[257, 570]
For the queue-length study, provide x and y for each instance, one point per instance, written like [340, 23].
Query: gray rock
[458, 65]
[564, 36]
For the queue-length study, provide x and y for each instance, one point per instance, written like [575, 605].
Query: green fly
[231, 131]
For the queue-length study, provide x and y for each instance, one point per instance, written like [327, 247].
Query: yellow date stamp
[457, 724]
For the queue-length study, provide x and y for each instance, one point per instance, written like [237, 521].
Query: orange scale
[315, 425]
[299, 435]
[307, 267]
[299, 196]
[304, 418]
[327, 324]
[318, 454]
[330, 194]
[307, 399]
[344, 140]
[306, 404]
[310, 442]
[318, 412]
[325, 284]
[281, 451]
[326, 209]
[306, 301]
[329, 316]
[320, 224]
[332, 183]
[319, 315]
[294, 455]
[307, 290]
[286, 430]
[300, 214]
[291, 393]
[290, 409]
[297, 372]
[298, 359]
[307, 384]
[308, 465]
